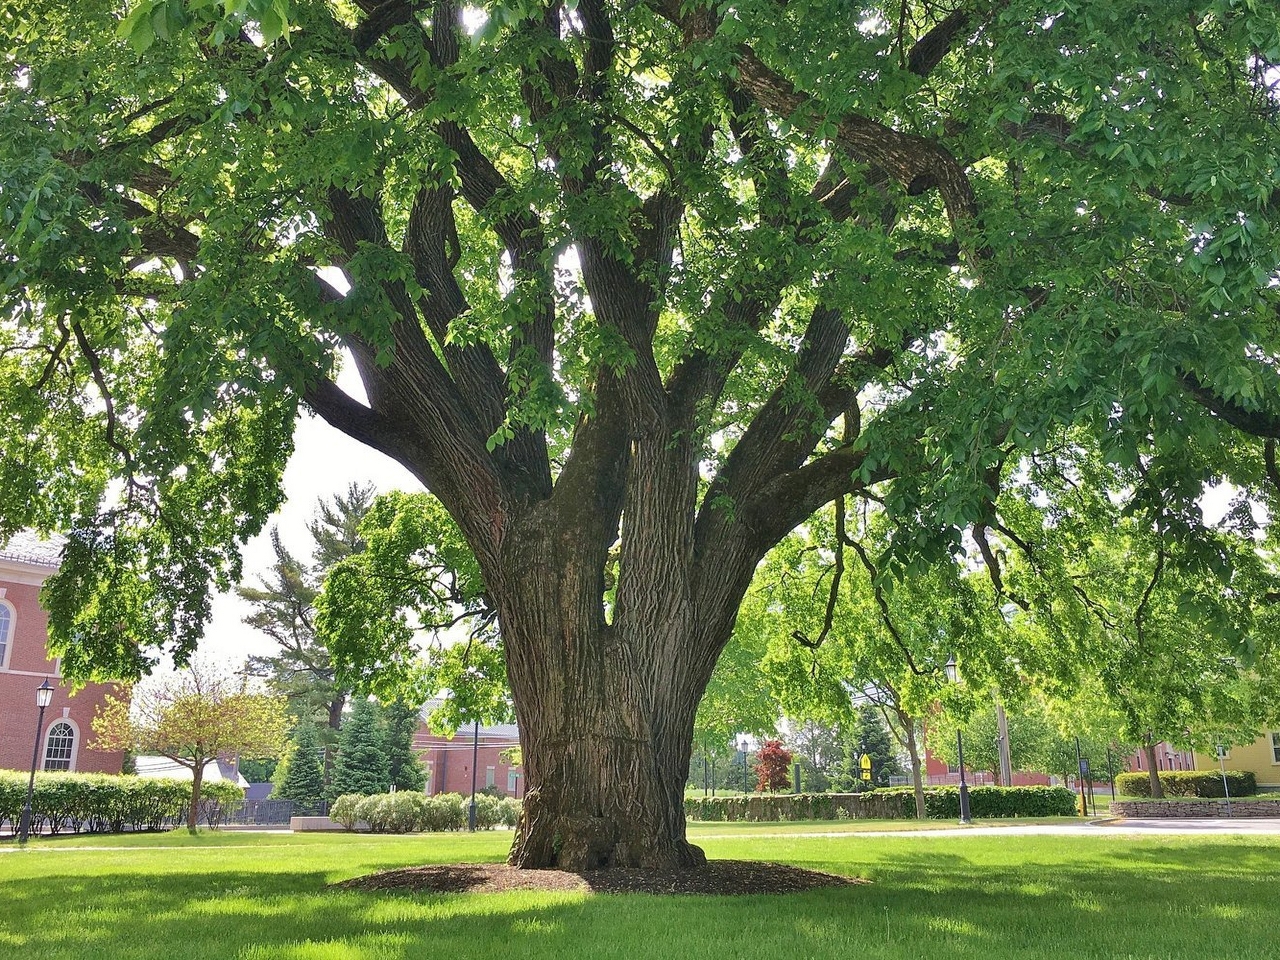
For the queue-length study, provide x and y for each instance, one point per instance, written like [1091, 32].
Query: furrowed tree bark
[605, 708]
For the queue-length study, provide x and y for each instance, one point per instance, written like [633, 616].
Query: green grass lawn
[258, 896]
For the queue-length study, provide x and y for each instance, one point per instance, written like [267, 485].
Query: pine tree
[283, 601]
[304, 779]
[871, 737]
[404, 766]
[361, 766]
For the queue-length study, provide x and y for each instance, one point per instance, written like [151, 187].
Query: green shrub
[987, 803]
[407, 810]
[511, 811]
[399, 812]
[488, 811]
[367, 810]
[896, 803]
[343, 810]
[1188, 783]
[445, 811]
[106, 803]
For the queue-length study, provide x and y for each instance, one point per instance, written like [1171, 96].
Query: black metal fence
[244, 813]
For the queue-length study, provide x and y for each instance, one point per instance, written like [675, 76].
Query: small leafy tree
[304, 779]
[193, 718]
[361, 766]
[773, 766]
[1031, 736]
[817, 747]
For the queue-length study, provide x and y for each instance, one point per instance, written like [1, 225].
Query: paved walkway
[1131, 828]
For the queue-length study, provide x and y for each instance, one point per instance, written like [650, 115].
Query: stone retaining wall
[1184, 809]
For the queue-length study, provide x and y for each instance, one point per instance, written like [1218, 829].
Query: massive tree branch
[917, 164]
[930, 49]
[1259, 423]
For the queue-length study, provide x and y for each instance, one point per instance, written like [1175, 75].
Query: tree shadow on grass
[1130, 901]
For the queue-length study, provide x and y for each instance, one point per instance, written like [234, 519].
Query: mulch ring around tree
[717, 877]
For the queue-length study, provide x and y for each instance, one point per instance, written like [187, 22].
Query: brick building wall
[449, 760]
[25, 563]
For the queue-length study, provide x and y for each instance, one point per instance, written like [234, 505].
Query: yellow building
[1262, 757]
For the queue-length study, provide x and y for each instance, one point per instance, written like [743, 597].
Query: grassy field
[259, 896]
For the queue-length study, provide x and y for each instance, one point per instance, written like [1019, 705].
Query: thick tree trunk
[601, 794]
[606, 704]
[606, 753]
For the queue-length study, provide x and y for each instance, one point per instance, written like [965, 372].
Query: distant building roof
[26, 547]
[259, 791]
[496, 730]
[216, 770]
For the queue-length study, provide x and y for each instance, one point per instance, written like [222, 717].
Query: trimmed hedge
[1188, 783]
[406, 812]
[895, 803]
[105, 803]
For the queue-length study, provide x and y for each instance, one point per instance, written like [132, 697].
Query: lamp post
[44, 696]
[475, 758]
[953, 676]
[745, 744]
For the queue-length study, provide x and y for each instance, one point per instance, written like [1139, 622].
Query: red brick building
[449, 760]
[25, 563]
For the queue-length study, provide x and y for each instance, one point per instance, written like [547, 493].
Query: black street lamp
[44, 697]
[475, 759]
[745, 778]
[953, 676]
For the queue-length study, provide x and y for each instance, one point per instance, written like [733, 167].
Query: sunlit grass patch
[259, 896]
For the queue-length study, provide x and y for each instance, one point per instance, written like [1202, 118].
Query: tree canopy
[193, 718]
[633, 289]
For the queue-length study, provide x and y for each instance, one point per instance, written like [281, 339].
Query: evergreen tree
[302, 669]
[871, 737]
[304, 778]
[361, 766]
[404, 766]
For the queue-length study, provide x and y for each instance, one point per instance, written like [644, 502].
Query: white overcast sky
[325, 462]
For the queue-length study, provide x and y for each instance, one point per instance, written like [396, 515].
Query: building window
[511, 782]
[1275, 747]
[488, 776]
[6, 631]
[430, 771]
[59, 746]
